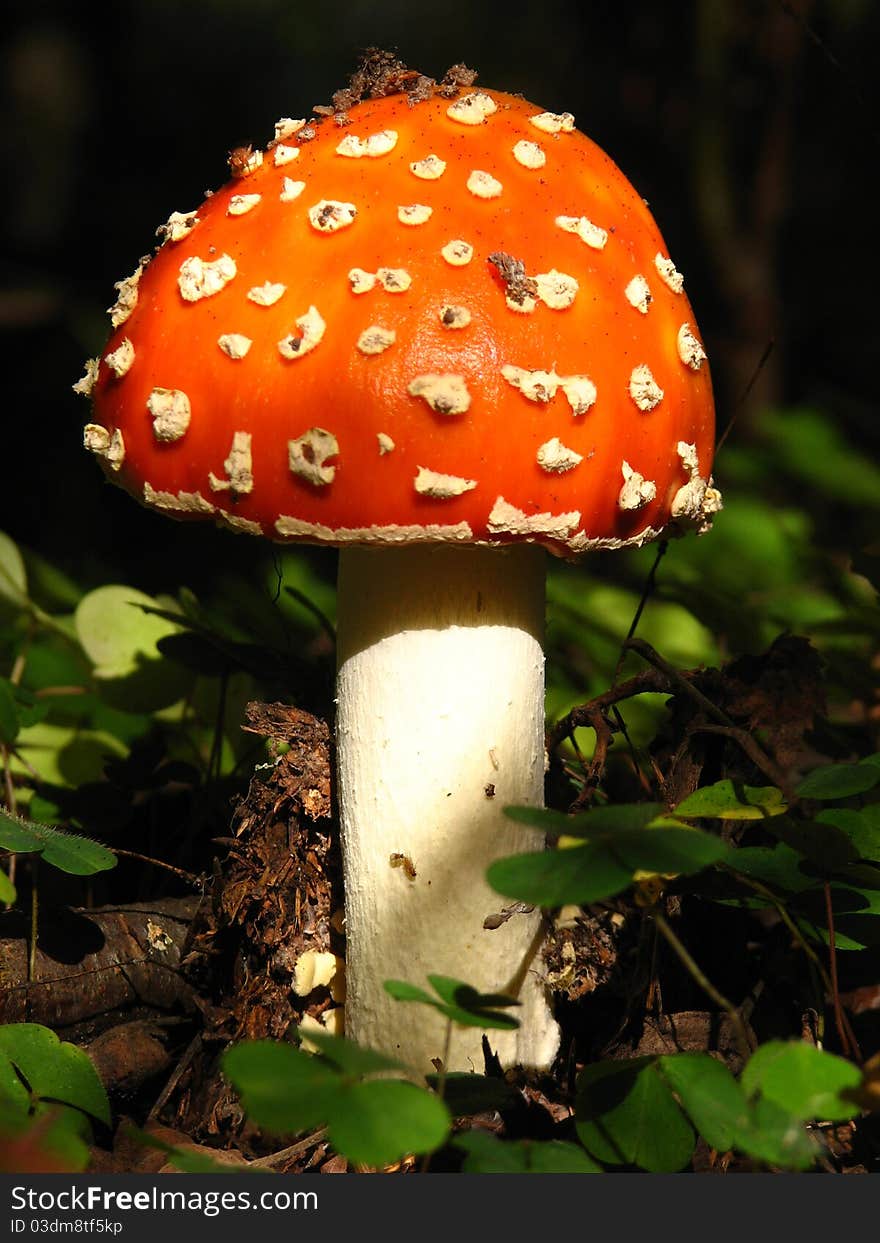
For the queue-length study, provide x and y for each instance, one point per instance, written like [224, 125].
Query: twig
[783, 914]
[15, 677]
[604, 737]
[756, 754]
[748, 1044]
[295, 1150]
[744, 395]
[52, 692]
[157, 863]
[647, 592]
[186, 1058]
[677, 678]
[845, 1043]
[215, 758]
[724, 725]
[813, 959]
[11, 802]
[441, 1085]
[859, 95]
[634, 753]
[35, 917]
[643, 683]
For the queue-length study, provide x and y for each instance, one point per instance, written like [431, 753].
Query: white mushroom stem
[440, 724]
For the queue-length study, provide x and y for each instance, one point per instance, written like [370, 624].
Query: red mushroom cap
[450, 319]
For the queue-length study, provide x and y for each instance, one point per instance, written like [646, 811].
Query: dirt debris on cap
[381, 73]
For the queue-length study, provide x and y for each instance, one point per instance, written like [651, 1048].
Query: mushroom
[446, 339]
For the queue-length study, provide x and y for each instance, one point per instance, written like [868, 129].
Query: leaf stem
[849, 1046]
[35, 914]
[157, 863]
[441, 1085]
[748, 1044]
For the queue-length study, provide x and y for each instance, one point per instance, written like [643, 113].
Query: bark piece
[91, 962]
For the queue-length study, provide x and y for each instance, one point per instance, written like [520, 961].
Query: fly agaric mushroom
[441, 332]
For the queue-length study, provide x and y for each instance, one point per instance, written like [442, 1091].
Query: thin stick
[35, 915]
[604, 743]
[11, 801]
[157, 863]
[835, 992]
[295, 1150]
[756, 754]
[15, 677]
[748, 1045]
[188, 1054]
[654, 658]
[762, 362]
[725, 725]
[783, 914]
[215, 758]
[441, 1085]
[851, 83]
[643, 683]
[647, 592]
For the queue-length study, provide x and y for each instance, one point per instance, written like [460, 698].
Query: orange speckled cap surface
[449, 320]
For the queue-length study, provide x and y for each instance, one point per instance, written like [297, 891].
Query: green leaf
[674, 850]
[604, 866]
[9, 716]
[811, 447]
[28, 709]
[709, 1094]
[839, 781]
[347, 1056]
[13, 576]
[776, 1137]
[862, 875]
[822, 844]
[478, 1007]
[552, 878]
[282, 1088]
[488, 1155]
[7, 889]
[861, 826]
[856, 911]
[55, 1071]
[804, 1081]
[558, 1157]
[53, 1138]
[778, 866]
[722, 1113]
[78, 856]
[385, 1119]
[194, 652]
[49, 586]
[458, 1002]
[287, 1091]
[599, 821]
[15, 1099]
[729, 800]
[720, 1110]
[626, 1115]
[115, 631]
[66, 754]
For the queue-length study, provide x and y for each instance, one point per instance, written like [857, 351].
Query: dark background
[750, 127]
